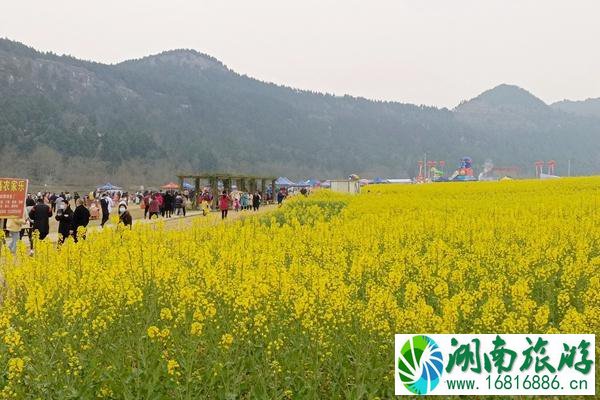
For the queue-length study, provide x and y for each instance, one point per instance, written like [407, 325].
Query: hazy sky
[434, 52]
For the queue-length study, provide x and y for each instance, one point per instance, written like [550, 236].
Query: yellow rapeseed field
[302, 302]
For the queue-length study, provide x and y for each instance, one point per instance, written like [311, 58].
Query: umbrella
[188, 186]
[108, 186]
[170, 186]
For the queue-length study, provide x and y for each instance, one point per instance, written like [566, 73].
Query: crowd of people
[239, 201]
[164, 204]
[39, 209]
[72, 222]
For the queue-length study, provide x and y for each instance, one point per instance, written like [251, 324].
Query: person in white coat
[14, 226]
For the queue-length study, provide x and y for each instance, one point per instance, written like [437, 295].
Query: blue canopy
[380, 180]
[188, 186]
[283, 181]
[108, 186]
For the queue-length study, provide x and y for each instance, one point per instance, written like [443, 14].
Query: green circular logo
[420, 364]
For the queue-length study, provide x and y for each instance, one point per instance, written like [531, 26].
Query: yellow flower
[153, 332]
[165, 314]
[15, 367]
[323, 276]
[196, 328]
[12, 338]
[226, 340]
[36, 299]
[165, 333]
[172, 367]
[105, 392]
[134, 296]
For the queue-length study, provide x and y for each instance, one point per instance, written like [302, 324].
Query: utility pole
[569, 168]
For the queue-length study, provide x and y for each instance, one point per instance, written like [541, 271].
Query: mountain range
[63, 119]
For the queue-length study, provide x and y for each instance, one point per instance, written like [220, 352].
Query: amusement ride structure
[435, 171]
[464, 172]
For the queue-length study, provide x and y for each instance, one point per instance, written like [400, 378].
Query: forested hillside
[64, 119]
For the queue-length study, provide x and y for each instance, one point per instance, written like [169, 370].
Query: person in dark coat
[52, 199]
[124, 215]
[81, 217]
[29, 202]
[179, 204]
[40, 215]
[105, 203]
[168, 205]
[256, 201]
[64, 216]
[280, 197]
[146, 199]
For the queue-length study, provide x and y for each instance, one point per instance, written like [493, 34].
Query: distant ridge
[509, 97]
[141, 120]
[589, 107]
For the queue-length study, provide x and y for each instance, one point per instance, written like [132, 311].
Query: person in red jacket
[161, 203]
[224, 204]
[153, 207]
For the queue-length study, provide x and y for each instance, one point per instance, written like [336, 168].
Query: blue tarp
[302, 184]
[380, 180]
[283, 181]
[108, 186]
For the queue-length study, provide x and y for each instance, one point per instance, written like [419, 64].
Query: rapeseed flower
[308, 295]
